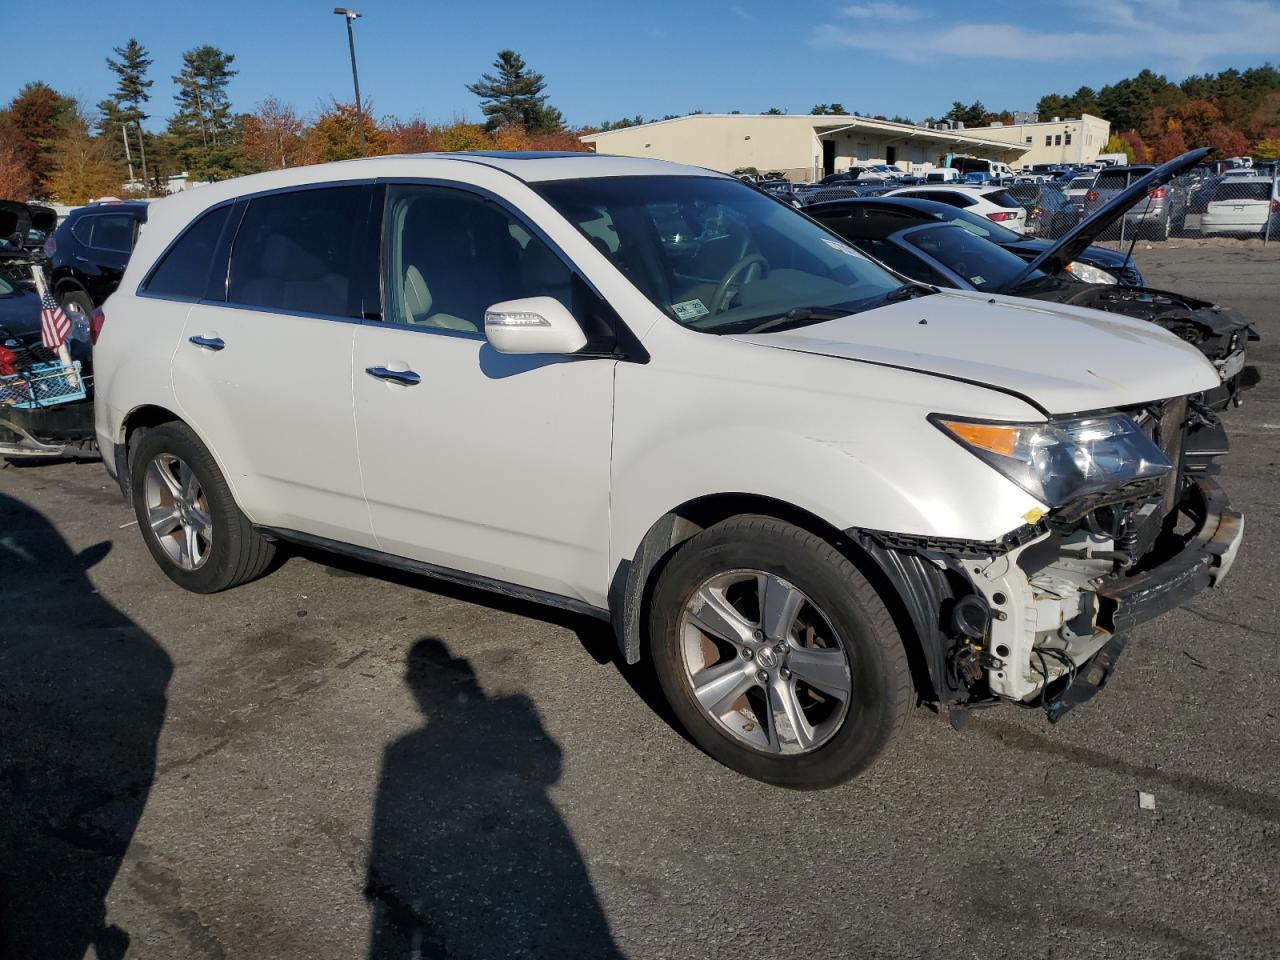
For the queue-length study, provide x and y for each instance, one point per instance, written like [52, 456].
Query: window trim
[627, 346]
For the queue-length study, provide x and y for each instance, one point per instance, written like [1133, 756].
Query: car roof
[111, 206]
[927, 208]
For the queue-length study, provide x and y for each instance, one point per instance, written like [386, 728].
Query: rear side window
[1001, 198]
[113, 231]
[302, 251]
[184, 270]
[951, 199]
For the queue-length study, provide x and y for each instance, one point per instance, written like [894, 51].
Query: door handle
[406, 377]
[81, 259]
[208, 343]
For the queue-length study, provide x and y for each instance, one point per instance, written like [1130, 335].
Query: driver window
[450, 254]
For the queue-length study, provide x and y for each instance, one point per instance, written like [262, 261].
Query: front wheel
[776, 654]
[188, 517]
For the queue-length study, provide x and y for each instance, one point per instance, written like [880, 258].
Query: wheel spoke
[710, 612]
[163, 519]
[186, 553]
[202, 522]
[779, 604]
[164, 478]
[188, 483]
[824, 670]
[718, 687]
[782, 700]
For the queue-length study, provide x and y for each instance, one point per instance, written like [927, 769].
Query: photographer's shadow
[469, 856]
[82, 702]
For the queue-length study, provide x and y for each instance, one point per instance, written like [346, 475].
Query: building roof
[828, 125]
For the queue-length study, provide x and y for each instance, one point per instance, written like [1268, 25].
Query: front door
[473, 460]
[265, 377]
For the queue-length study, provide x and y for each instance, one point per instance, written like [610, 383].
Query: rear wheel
[77, 301]
[777, 656]
[188, 517]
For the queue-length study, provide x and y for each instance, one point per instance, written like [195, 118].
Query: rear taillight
[50, 246]
[1157, 194]
[1001, 216]
[95, 325]
[1092, 196]
[1275, 206]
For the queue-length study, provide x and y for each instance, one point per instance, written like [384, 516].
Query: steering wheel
[720, 300]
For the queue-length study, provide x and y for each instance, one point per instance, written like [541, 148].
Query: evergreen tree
[206, 133]
[123, 110]
[514, 97]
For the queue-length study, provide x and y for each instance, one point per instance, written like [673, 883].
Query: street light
[349, 16]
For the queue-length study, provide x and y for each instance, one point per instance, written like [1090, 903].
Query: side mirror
[533, 325]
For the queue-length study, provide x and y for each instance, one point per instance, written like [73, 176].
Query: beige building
[800, 147]
[1059, 140]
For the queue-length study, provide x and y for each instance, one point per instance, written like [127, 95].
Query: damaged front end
[1220, 333]
[1040, 616]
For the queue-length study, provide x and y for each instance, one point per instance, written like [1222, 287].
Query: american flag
[54, 325]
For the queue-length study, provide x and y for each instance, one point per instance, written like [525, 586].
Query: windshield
[6, 288]
[980, 262]
[716, 255]
[978, 226]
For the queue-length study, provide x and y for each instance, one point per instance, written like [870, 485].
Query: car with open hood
[812, 494]
[953, 255]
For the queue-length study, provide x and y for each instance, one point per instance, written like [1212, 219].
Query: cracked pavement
[220, 771]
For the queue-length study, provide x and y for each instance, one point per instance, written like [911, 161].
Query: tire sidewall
[82, 301]
[182, 443]
[871, 719]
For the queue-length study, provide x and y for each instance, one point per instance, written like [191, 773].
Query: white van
[942, 175]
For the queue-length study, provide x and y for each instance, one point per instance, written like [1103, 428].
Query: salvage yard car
[812, 493]
[957, 255]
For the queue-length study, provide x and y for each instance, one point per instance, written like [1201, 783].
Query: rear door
[263, 369]
[109, 241]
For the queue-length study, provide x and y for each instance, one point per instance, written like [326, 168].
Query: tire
[836, 599]
[78, 301]
[226, 551]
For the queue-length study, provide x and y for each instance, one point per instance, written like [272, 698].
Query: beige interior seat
[416, 304]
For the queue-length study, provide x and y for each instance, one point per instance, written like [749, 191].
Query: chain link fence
[1242, 204]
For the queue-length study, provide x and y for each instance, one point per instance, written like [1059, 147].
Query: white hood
[1065, 359]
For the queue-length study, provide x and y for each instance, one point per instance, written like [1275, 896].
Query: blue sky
[604, 60]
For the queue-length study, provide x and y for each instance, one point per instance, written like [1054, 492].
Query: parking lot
[239, 774]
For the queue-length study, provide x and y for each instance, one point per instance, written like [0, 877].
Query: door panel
[274, 404]
[492, 464]
[496, 465]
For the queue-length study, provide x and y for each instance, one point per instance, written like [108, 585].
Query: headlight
[1087, 273]
[1059, 461]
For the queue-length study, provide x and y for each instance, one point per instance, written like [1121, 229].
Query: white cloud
[743, 14]
[883, 11]
[1170, 35]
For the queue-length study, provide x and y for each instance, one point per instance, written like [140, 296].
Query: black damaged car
[946, 254]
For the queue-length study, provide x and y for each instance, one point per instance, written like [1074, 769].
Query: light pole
[349, 16]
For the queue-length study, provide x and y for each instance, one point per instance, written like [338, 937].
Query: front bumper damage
[1056, 599]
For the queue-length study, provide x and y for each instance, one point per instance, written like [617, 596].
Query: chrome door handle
[209, 343]
[406, 377]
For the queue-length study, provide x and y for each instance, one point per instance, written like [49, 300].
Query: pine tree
[514, 97]
[123, 110]
[204, 129]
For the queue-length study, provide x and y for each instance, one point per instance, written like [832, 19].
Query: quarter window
[302, 251]
[184, 270]
[113, 232]
[451, 254]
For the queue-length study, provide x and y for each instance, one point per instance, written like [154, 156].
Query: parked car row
[968, 498]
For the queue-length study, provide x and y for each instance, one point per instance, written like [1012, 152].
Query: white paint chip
[1146, 801]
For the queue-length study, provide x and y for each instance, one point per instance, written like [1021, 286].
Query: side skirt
[439, 573]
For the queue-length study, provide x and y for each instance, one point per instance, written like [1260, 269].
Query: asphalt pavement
[337, 761]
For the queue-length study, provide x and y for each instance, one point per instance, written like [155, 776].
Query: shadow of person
[469, 856]
[82, 701]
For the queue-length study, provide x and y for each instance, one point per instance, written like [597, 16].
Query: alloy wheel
[763, 661]
[178, 511]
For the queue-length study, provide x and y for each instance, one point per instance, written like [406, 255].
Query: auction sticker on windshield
[690, 309]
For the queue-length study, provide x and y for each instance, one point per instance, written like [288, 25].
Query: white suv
[813, 492]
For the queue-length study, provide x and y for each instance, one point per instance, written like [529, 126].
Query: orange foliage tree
[272, 137]
[16, 181]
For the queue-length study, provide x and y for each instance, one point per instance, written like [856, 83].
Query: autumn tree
[335, 135]
[1226, 141]
[32, 123]
[411, 136]
[16, 181]
[83, 166]
[272, 137]
[120, 115]
[1168, 145]
[513, 96]
[1138, 150]
[1118, 144]
[1268, 149]
[460, 136]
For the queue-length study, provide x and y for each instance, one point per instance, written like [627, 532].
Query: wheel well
[67, 285]
[142, 418]
[634, 580]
